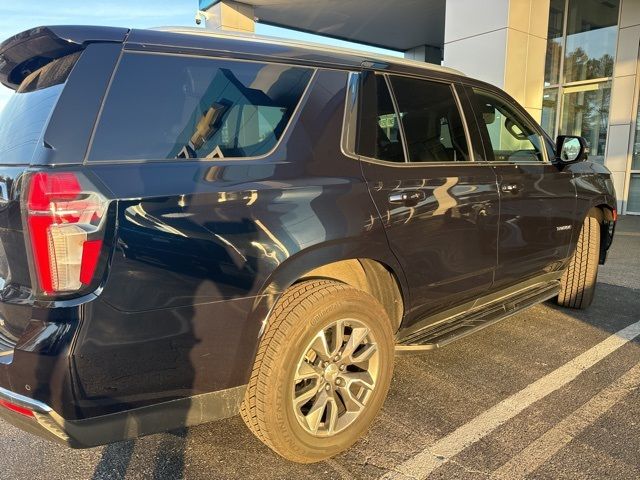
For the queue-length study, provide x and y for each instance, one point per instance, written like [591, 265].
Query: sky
[19, 15]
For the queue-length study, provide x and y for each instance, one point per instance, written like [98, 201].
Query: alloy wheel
[335, 377]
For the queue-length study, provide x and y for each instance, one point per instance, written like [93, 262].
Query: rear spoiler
[32, 49]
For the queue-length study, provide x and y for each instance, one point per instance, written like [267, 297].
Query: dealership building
[573, 64]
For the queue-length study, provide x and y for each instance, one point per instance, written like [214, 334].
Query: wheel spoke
[305, 395]
[314, 417]
[332, 416]
[351, 403]
[307, 371]
[362, 379]
[355, 339]
[338, 337]
[364, 354]
[321, 346]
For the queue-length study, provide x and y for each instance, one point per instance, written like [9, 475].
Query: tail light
[65, 217]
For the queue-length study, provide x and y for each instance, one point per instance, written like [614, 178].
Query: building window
[549, 109]
[592, 27]
[633, 203]
[581, 48]
[555, 36]
[586, 112]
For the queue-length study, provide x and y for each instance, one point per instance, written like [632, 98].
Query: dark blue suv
[194, 225]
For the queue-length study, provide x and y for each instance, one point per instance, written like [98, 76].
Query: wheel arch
[370, 276]
[371, 271]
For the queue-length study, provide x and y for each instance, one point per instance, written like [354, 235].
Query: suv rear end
[56, 223]
[138, 270]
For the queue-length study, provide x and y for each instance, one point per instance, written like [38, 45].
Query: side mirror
[571, 149]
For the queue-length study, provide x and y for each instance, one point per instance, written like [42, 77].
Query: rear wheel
[322, 371]
[579, 280]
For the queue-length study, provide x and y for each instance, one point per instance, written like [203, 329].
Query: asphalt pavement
[548, 393]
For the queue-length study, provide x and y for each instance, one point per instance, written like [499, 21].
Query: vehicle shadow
[114, 461]
[614, 307]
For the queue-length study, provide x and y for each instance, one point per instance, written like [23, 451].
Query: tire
[578, 283]
[307, 312]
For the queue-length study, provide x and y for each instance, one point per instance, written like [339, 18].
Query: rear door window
[432, 123]
[24, 117]
[169, 106]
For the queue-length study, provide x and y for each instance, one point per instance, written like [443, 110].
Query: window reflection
[591, 39]
[635, 164]
[633, 205]
[549, 109]
[554, 43]
[581, 49]
[586, 113]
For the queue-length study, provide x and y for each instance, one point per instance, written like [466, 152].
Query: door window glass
[168, 106]
[431, 120]
[380, 135]
[512, 137]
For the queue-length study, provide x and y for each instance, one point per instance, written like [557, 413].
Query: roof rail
[309, 45]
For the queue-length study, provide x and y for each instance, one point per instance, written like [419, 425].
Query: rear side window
[169, 106]
[24, 117]
[431, 120]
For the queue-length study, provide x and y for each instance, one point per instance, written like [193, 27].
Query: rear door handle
[509, 188]
[410, 198]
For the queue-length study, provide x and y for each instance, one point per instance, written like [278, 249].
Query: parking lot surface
[547, 393]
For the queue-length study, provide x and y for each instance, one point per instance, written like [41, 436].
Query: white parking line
[546, 446]
[436, 455]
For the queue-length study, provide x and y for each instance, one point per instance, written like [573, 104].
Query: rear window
[25, 115]
[168, 106]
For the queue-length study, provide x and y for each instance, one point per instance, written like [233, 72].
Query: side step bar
[459, 326]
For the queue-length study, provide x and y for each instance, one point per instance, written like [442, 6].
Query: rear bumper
[115, 427]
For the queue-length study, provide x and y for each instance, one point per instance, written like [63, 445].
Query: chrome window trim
[350, 118]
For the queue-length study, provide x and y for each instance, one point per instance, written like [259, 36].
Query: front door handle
[409, 198]
[509, 187]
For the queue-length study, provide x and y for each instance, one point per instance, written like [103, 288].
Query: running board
[459, 326]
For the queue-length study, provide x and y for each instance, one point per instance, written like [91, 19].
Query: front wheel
[578, 283]
[322, 371]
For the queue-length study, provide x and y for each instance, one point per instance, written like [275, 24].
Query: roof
[364, 55]
[32, 49]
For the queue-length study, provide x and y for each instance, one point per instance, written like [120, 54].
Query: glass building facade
[581, 50]
[633, 199]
